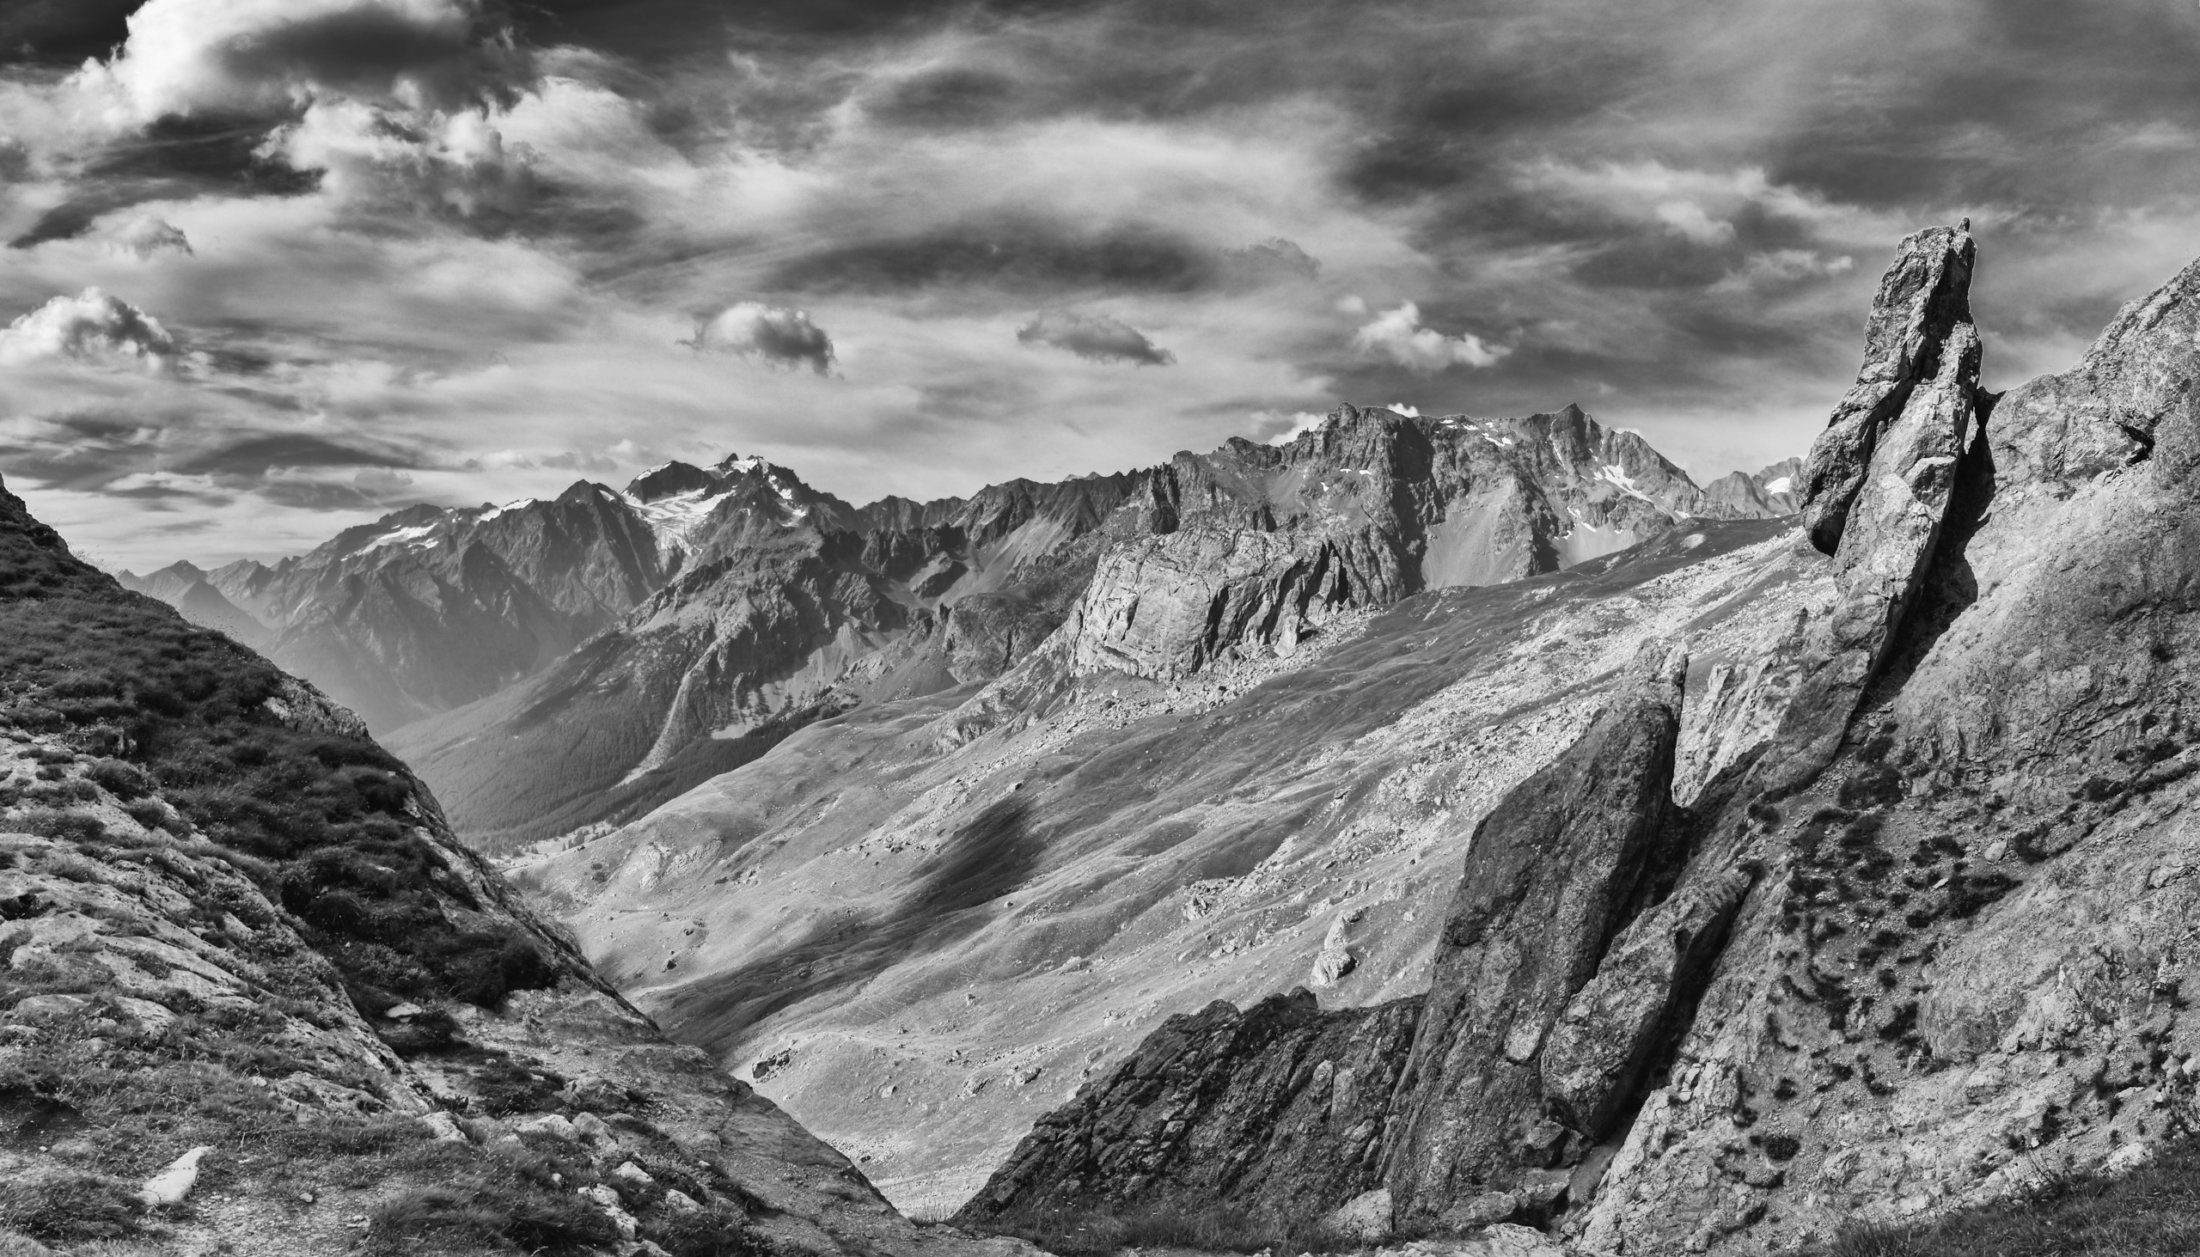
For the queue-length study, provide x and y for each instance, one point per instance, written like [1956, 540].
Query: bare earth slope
[229, 920]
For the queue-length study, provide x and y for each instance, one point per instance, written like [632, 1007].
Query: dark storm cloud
[61, 32]
[174, 159]
[673, 27]
[255, 456]
[1017, 253]
[1094, 336]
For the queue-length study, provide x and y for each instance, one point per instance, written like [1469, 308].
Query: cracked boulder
[1549, 878]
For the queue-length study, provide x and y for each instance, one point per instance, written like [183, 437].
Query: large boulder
[1549, 879]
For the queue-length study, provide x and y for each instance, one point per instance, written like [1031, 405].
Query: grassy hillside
[300, 800]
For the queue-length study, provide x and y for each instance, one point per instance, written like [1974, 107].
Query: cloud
[271, 56]
[1020, 251]
[781, 337]
[1276, 427]
[149, 237]
[1099, 337]
[259, 455]
[1269, 262]
[93, 327]
[456, 163]
[1398, 335]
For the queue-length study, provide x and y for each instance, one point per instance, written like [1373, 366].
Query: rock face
[228, 920]
[1774, 491]
[1882, 477]
[1923, 945]
[1253, 547]
[1551, 876]
[1919, 338]
[1446, 1101]
[1277, 1107]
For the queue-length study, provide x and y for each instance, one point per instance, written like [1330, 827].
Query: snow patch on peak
[1616, 476]
[401, 536]
[674, 520]
[1780, 484]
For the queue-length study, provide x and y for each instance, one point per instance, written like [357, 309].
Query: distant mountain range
[547, 664]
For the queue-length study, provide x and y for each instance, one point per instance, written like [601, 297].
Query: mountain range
[547, 665]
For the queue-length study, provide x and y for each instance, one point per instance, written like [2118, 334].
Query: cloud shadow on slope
[988, 858]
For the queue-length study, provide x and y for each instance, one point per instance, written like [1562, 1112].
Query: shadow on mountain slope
[986, 859]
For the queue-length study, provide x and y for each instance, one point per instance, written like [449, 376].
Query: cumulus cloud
[259, 56]
[771, 334]
[92, 326]
[456, 162]
[1277, 427]
[1099, 337]
[1398, 336]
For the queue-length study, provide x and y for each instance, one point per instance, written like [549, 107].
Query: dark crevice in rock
[1949, 587]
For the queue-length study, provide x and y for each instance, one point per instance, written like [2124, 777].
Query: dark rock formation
[1597, 1054]
[1879, 482]
[1278, 1109]
[1286, 1110]
[1919, 337]
[1550, 877]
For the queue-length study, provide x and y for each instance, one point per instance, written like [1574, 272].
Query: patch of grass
[70, 1206]
[2152, 1212]
[1215, 1229]
[707, 1233]
[488, 1212]
[327, 822]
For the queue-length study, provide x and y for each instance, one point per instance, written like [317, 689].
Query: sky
[275, 267]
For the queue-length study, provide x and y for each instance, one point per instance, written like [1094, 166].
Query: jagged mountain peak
[667, 479]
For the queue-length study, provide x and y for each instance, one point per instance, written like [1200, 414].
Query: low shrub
[69, 1206]
[1213, 1229]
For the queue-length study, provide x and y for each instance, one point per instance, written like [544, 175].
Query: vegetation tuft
[326, 821]
[1215, 1229]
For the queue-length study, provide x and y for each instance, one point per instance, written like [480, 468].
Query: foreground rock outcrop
[230, 922]
[1921, 945]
